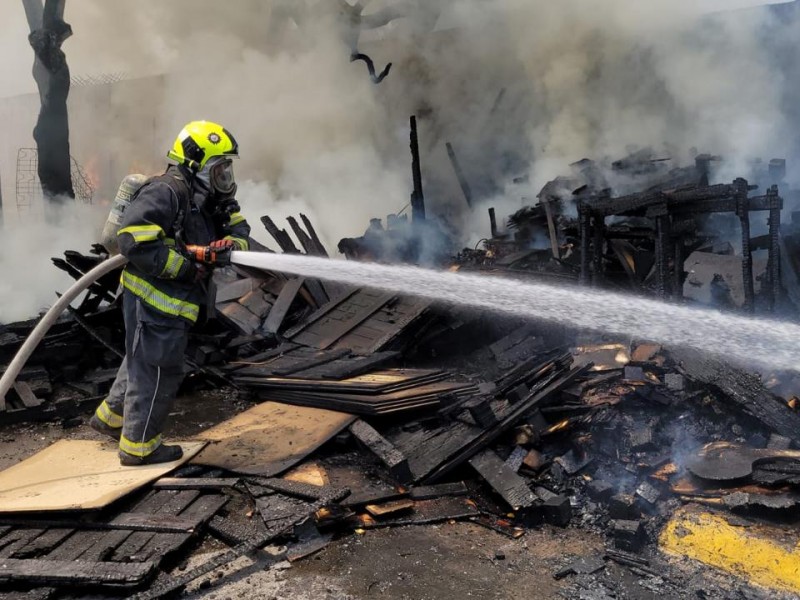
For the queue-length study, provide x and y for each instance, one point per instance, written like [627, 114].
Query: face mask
[221, 178]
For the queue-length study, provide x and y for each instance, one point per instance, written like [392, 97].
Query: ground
[449, 560]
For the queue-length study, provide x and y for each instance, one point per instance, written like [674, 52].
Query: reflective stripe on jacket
[158, 273]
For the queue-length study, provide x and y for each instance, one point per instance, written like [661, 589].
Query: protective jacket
[164, 215]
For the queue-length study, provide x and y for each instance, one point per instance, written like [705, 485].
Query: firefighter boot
[162, 454]
[100, 427]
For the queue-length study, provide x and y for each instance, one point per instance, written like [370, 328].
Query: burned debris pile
[662, 231]
[378, 410]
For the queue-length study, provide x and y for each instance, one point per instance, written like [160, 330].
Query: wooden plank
[745, 390]
[282, 305]
[511, 487]
[322, 358]
[262, 358]
[305, 240]
[37, 593]
[280, 236]
[234, 531]
[334, 334]
[43, 543]
[16, 539]
[26, 395]
[165, 545]
[76, 474]
[73, 573]
[321, 313]
[131, 550]
[348, 311]
[428, 511]
[89, 546]
[377, 382]
[269, 438]
[280, 512]
[548, 388]
[352, 367]
[319, 246]
[389, 508]
[401, 315]
[195, 483]
[241, 318]
[154, 523]
[429, 448]
[236, 289]
[390, 456]
[317, 291]
[428, 492]
[256, 302]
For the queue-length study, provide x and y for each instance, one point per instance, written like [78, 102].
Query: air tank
[129, 186]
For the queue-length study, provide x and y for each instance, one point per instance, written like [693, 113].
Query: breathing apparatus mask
[217, 178]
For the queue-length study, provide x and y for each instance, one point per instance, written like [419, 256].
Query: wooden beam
[510, 486]
[383, 449]
[282, 305]
[75, 572]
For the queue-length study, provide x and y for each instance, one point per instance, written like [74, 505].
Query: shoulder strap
[182, 191]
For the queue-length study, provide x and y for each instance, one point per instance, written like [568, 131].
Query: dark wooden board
[428, 492]
[164, 545]
[42, 544]
[371, 337]
[511, 487]
[344, 318]
[280, 511]
[375, 382]
[310, 363]
[428, 449]
[390, 456]
[351, 367]
[235, 530]
[744, 390]
[173, 502]
[71, 573]
[195, 483]
[282, 305]
[429, 511]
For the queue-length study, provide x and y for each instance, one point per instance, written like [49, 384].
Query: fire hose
[49, 319]
[198, 253]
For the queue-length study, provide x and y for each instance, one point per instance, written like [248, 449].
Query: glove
[216, 254]
[222, 246]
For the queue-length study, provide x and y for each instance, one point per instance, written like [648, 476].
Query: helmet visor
[222, 179]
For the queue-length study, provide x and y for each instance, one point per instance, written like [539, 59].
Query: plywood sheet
[270, 438]
[77, 475]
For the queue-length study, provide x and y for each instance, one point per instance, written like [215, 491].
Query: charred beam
[462, 180]
[320, 247]
[417, 196]
[585, 231]
[743, 212]
[493, 222]
[774, 263]
[280, 236]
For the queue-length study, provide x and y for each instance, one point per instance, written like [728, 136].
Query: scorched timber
[743, 389]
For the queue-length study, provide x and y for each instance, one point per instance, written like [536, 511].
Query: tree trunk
[51, 73]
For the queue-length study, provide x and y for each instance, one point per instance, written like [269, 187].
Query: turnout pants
[144, 390]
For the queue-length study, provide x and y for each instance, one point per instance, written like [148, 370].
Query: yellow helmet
[201, 140]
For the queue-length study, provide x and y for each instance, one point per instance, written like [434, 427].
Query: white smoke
[520, 87]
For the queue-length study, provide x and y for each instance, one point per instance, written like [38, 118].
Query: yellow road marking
[746, 552]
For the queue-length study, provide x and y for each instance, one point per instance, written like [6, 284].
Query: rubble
[522, 427]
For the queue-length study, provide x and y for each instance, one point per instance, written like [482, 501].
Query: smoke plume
[520, 88]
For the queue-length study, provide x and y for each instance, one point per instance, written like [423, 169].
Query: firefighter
[178, 226]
